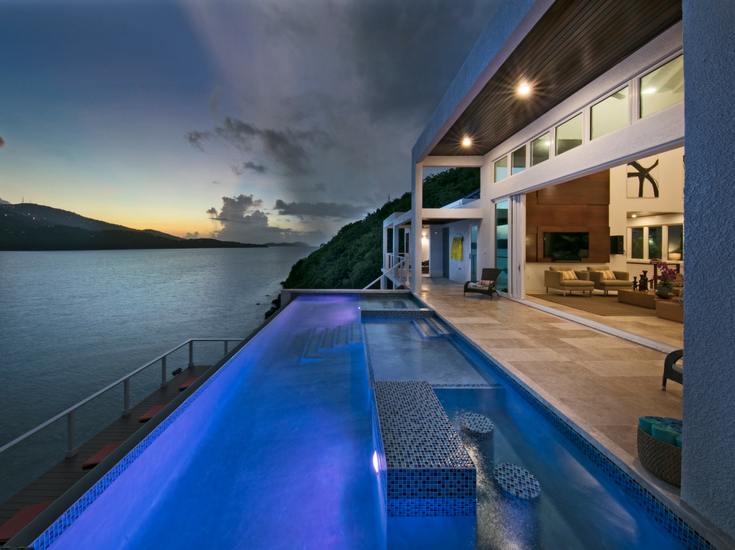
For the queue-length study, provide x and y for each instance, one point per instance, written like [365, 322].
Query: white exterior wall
[435, 251]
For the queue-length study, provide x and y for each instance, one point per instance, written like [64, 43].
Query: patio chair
[486, 285]
[672, 371]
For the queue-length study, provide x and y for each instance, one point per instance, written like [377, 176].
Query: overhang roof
[572, 44]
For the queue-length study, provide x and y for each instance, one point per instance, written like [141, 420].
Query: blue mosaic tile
[424, 456]
[516, 482]
[476, 426]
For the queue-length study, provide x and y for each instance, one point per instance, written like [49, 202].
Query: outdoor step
[439, 327]
[326, 342]
[311, 350]
[354, 333]
[424, 329]
[340, 336]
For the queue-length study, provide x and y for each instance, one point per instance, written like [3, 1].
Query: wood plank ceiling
[573, 43]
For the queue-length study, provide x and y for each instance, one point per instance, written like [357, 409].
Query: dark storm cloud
[287, 148]
[242, 221]
[196, 138]
[239, 169]
[319, 210]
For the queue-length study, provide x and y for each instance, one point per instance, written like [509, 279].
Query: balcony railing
[70, 413]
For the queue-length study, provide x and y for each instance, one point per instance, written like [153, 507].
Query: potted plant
[665, 283]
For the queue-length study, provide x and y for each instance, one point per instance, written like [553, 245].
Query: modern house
[575, 114]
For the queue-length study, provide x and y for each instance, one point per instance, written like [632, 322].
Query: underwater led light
[375, 462]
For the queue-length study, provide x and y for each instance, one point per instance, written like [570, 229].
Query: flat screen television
[566, 247]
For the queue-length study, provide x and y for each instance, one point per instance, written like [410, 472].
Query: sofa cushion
[616, 283]
[568, 275]
[483, 282]
[577, 283]
[607, 275]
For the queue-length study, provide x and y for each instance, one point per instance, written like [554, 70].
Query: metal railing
[125, 381]
[401, 273]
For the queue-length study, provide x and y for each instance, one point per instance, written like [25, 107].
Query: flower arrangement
[667, 275]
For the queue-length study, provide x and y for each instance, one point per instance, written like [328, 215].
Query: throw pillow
[607, 274]
[484, 282]
[568, 275]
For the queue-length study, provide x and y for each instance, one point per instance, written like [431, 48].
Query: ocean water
[72, 322]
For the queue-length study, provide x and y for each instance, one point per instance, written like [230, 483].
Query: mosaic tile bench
[429, 472]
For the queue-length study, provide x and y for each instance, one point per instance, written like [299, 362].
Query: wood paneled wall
[580, 205]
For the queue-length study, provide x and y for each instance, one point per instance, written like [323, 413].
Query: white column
[518, 246]
[383, 282]
[416, 221]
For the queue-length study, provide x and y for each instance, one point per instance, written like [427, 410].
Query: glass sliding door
[501, 244]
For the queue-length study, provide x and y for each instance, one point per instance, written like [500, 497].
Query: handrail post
[71, 449]
[226, 343]
[126, 397]
[163, 372]
[191, 353]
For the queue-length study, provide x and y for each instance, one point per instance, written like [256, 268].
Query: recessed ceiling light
[524, 89]
[648, 91]
[466, 142]
[634, 216]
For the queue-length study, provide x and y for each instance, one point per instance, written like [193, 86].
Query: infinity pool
[275, 451]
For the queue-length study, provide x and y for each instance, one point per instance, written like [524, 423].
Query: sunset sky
[246, 120]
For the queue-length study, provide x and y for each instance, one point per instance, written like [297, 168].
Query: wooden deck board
[61, 477]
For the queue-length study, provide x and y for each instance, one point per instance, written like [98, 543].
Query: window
[655, 238]
[501, 244]
[540, 149]
[609, 114]
[518, 160]
[636, 245]
[501, 169]
[569, 135]
[662, 87]
[676, 243]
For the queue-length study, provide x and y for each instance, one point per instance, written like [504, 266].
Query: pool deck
[600, 382]
[61, 477]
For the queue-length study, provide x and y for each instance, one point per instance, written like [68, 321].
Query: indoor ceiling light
[634, 216]
[524, 89]
[648, 91]
[466, 142]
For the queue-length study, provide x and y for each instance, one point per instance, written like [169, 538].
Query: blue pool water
[275, 453]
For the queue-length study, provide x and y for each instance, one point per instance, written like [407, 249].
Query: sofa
[621, 280]
[554, 278]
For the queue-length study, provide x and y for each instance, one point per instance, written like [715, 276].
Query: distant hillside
[38, 227]
[353, 257]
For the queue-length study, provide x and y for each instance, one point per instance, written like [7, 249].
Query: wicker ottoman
[659, 458]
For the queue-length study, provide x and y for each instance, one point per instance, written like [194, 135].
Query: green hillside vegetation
[353, 257]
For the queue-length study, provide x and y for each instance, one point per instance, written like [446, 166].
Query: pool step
[438, 327]
[326, 340]
[311, 350]
[424, 329]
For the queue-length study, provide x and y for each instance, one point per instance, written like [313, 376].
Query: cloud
[215, 182]
[289, 149]
[241, 220]
[194, 235]
[196, 138]
[2, 142]
[319, 210]
[239, 169]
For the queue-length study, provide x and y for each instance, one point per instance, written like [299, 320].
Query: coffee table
[645, 298]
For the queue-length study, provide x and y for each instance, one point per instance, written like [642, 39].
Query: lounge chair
[21, 518]
[486, 285]
[151, 413]
[672, 371]
[100, 455]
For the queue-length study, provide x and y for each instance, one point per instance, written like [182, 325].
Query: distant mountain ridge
[37, 227]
